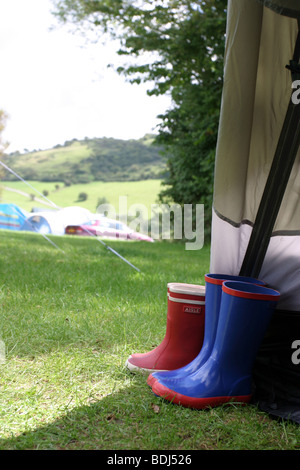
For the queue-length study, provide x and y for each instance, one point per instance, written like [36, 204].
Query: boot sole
[196, 403]
[142, 370]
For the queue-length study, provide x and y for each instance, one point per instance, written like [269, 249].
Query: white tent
[256, 207]
[54, 222]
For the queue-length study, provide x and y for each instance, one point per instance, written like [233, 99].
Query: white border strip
[186, 301]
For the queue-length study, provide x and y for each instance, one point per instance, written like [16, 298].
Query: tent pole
[284, 158]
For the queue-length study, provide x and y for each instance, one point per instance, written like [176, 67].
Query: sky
[56, 86]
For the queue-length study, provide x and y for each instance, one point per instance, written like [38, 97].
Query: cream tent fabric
[260, 41]
[257, 90]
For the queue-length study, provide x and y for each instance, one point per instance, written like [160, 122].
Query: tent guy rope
[28, 184]
[43, 235]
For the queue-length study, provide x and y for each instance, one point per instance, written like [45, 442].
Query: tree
[82, 197]
[177, 46]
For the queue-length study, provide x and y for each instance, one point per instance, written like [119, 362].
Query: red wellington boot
[184, 331]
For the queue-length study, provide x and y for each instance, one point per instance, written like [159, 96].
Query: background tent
[11, 217]
[55, 222]
[256, 207]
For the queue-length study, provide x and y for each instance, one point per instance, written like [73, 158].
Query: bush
[82, 197]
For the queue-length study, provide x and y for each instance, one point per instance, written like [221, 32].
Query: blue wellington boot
[245, 312]
[213, 291]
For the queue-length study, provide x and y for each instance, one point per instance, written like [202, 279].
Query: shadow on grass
[134, 419]
[130, 419]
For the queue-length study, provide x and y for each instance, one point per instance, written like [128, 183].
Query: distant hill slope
[84, 161]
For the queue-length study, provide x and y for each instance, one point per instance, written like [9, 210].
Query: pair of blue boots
[238, 311]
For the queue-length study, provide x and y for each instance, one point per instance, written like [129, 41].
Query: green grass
[137, 192]
[70, 320]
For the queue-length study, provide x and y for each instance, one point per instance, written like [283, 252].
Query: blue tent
[11, 217]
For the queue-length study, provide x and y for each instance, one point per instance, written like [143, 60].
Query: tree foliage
[177, 46]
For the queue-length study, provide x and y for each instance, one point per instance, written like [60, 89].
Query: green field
[69, 320]
[137, 192]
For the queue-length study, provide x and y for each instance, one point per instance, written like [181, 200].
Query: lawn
[69, 320]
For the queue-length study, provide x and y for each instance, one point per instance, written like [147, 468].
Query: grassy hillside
[103, 159]
[137, 192]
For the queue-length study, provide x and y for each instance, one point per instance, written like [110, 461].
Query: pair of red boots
[184, 331]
